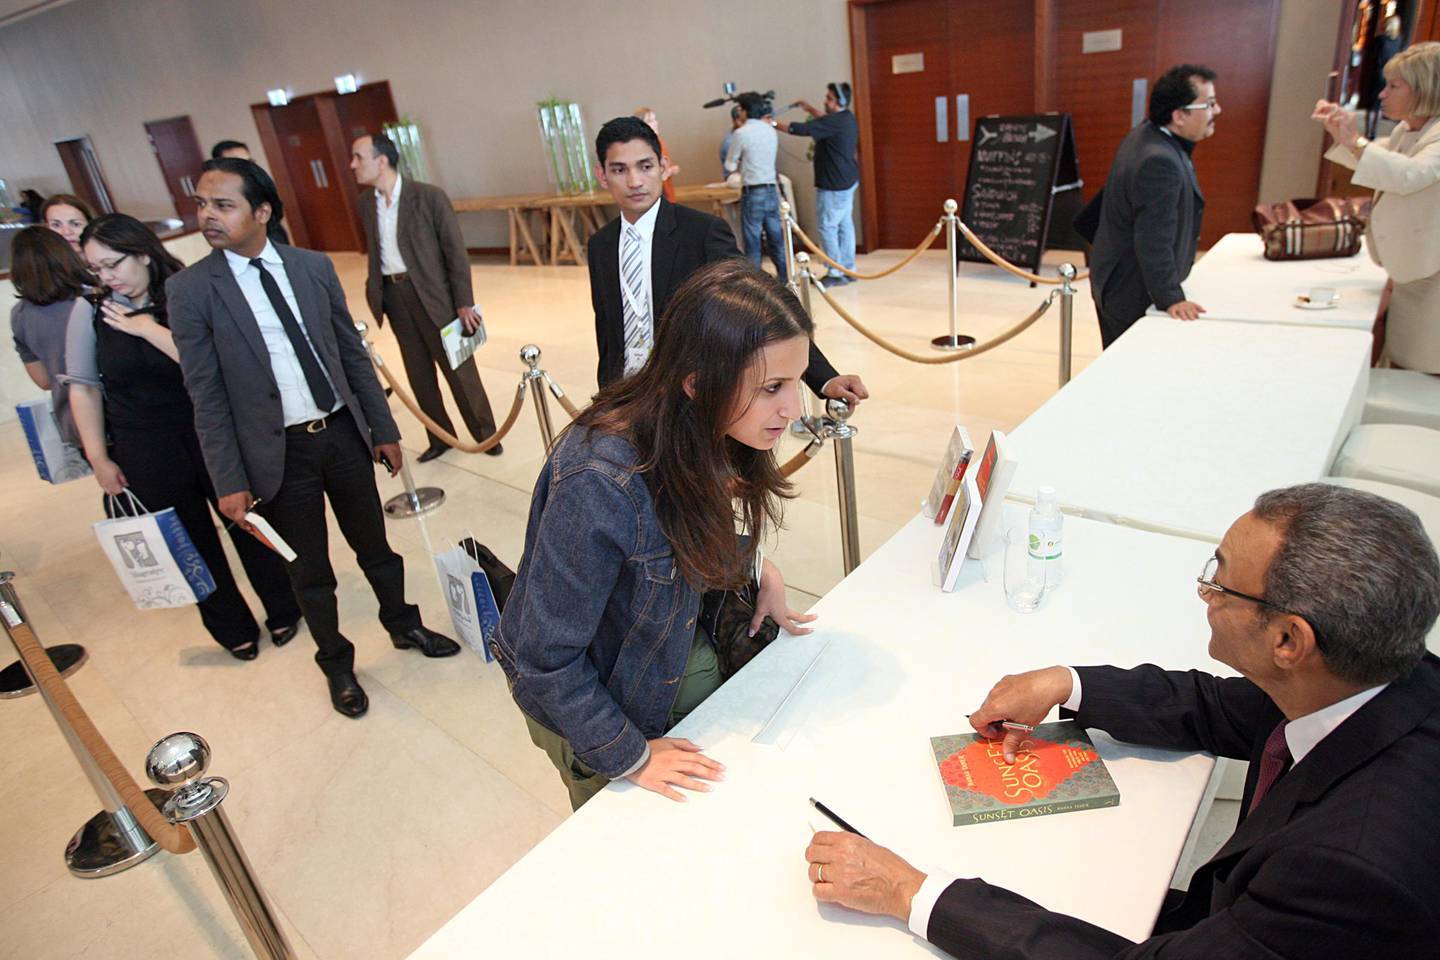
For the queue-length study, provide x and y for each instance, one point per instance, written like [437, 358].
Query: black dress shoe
[427, 641]
[432, 451]
[246, 651]
[347, 695]
[496, 450]
[285, 634]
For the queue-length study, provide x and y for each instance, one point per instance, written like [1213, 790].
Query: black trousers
[1111, 325]
[422, 350]
[335, 463]
[165, 468]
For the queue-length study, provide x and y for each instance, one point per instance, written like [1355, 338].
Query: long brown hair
[701, 480]
[46, 269]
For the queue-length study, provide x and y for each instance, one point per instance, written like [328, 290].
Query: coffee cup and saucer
[1319, 298]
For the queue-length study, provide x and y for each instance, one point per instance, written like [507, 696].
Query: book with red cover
[1056, 770]
[948, 478]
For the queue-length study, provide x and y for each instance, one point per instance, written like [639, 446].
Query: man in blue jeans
[837, 174]
[752, 152]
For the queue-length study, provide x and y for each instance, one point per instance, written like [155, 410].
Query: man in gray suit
[1151, 206]
[289, 411]
[420, 278]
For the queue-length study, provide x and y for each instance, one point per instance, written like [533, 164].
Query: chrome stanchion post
[415, 500]
[801, 280]
[787, 230]
[530, 356]
[180, 761]
[839, 429]
[1067, 318]
[953, 340]
[112, 840]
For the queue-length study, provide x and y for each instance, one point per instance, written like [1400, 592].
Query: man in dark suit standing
[1151, 206]
[420, 278]
[289, 411]
[642, 256]
[1321, 597]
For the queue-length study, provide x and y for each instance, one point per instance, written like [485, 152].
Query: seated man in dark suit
[642, 256]
[1321, 597]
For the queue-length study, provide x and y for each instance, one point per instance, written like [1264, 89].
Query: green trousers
[700, 679]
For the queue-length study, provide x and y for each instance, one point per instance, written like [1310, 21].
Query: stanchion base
[15, 682]
[947, 342]
[402, 505]
[98, 850]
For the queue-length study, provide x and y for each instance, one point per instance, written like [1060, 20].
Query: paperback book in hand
[1056, 770]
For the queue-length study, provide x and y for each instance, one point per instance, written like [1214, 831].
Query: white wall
[1303, 56]
[469, 71]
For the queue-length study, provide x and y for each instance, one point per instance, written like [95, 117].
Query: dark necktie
[1273, 761]
[320, 390]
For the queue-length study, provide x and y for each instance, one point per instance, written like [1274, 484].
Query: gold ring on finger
[819, 873]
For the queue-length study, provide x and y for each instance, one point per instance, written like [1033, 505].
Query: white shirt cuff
[924, 903]
[1074, 702]
[644, 759]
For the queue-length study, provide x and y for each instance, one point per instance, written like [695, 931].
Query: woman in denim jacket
[635, 515]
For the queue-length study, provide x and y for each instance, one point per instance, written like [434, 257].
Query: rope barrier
[1006, 265]
[800, 459]
[445, 435]
[933, 358]
[172, 838]
[924, 245]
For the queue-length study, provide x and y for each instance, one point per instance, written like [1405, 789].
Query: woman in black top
[124, 376]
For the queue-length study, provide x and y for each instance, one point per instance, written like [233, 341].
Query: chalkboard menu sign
[1017, 166]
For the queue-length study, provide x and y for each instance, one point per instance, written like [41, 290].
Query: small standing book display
[964, 515]
[947, 478]
[1056, 770]
[992, 476]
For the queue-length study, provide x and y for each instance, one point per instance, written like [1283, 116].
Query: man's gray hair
[1361, 570]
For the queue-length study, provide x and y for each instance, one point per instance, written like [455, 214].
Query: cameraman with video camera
[752, 152]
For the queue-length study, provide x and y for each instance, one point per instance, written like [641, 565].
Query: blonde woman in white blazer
[1404, 170]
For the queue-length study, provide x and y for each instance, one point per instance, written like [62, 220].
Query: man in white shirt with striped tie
[641, 257]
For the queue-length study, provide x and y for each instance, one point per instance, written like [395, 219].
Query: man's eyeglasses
[1206, 586]
[1210, 104]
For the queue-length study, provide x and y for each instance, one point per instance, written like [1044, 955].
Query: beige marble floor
[370, 834]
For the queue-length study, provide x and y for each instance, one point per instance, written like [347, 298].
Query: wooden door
[992, 66]
[931, 69]
[178, 152]
[86, 180]
[1235, 38]
[322, 196]
[911, 160]
[362, 113]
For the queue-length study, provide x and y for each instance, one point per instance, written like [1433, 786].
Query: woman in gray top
[51, 281]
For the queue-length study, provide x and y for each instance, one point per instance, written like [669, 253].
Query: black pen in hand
[836, 819]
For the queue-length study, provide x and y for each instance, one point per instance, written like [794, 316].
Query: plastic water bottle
[1046, 535]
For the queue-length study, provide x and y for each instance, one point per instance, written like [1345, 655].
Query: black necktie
[320, 390]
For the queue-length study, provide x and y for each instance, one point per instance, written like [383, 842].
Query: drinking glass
[1024, 575]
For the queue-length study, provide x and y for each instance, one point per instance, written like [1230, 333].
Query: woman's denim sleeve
[588, 528]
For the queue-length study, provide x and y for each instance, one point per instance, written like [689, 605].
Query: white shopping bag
[55, 460]
[467, 595]
[153, 556]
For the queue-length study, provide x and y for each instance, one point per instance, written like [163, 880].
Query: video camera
[766, 100]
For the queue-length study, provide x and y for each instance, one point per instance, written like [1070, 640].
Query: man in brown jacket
[420, 278]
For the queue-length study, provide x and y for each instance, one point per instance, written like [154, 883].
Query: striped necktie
[637, 303]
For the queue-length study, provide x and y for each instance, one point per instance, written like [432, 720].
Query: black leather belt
[314, 426]
[396, 277]
[757, 186]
